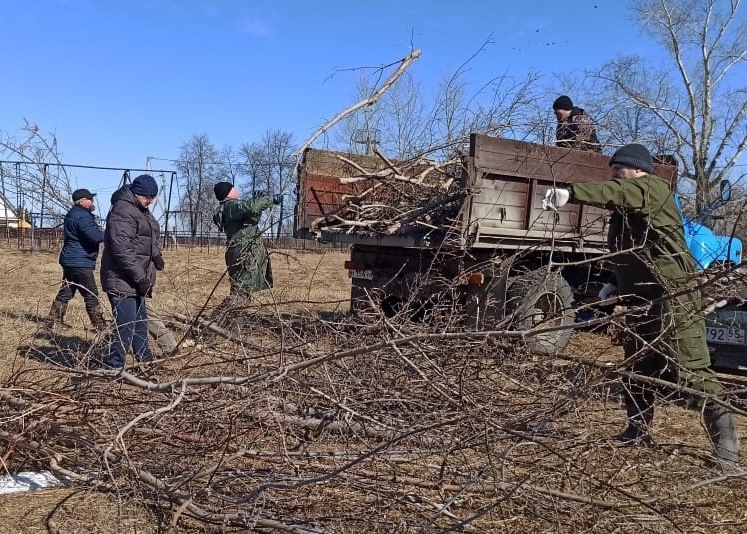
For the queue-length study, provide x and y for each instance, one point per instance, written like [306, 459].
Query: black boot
[640, 412]
[720, 427]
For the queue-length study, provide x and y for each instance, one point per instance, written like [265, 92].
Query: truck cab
[707, 248]
[726, 322]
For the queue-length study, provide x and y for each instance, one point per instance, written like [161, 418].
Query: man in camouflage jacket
[655, 270]
[247, 260]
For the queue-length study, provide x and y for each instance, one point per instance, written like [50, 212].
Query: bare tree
[279, 147]
[229, 164]
[268, 165]
[407, 123]
[698, 97]
[198, 163]
[254, 164]
[33, 175]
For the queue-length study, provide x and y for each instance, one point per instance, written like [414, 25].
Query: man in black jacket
[575, 128]
[78, 260]
[132, 255]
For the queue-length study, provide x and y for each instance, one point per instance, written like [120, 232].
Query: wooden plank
[533, 161]
[320, 191]
[324, 162]
[324, 194]
[497, 216]
[548, 163]
[545, 162]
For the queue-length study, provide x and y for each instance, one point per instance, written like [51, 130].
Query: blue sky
[118, 81]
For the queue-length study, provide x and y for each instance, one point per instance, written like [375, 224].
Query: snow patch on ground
[27, 481]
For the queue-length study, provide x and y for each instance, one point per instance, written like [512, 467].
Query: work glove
[607, 291]
[143, 287]
[555, 197]
[258, 193]
[159, 263]
[277, 198]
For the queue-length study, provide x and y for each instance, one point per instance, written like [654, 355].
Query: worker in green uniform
[247, 260]
[654, 269]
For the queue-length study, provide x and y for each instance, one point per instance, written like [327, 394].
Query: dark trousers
[78, 279]
[132, 331]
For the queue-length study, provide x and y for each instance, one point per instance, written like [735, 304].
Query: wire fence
[51, 239]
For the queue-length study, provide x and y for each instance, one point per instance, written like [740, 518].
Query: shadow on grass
[58, 348]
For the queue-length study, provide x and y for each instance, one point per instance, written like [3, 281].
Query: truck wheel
[541, 299]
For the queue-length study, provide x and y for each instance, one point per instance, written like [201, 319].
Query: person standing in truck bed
[654, 271]
[575, 128]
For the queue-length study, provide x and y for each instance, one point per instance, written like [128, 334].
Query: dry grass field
[298, 417]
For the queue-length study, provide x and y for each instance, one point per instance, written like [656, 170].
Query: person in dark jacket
[80, 250]
[575, 128]
[655, 271]
[131, 257]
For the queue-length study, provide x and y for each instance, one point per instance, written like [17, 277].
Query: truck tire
[541, 299]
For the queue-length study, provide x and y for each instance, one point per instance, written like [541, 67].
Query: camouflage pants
[668, 341]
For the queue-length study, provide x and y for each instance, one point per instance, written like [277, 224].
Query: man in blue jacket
[78, 260]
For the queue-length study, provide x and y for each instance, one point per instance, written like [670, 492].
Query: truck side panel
[510, 179]
[506, 179]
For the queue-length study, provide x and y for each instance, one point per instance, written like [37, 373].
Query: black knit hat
[634, 156]
[221, 190]
[562, 102]
[144, 185]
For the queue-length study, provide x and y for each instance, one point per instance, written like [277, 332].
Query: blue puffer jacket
[82, 239]
[131, 245]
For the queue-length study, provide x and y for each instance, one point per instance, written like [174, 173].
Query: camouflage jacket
[645, 228]
[247, 259]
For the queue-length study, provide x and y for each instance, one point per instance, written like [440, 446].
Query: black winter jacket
[82, 239]
[130, 246]
[578, 132]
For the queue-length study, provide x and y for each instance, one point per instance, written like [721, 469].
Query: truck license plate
[735, 336]
[366, 275]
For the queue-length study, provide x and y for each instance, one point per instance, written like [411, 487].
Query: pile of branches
[389, 198]
[322, 424]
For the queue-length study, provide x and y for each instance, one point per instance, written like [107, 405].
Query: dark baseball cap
[82, 193]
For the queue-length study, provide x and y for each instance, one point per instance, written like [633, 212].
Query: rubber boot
[56, 315]
[720, 427]
[640, 413]
[96, 315]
